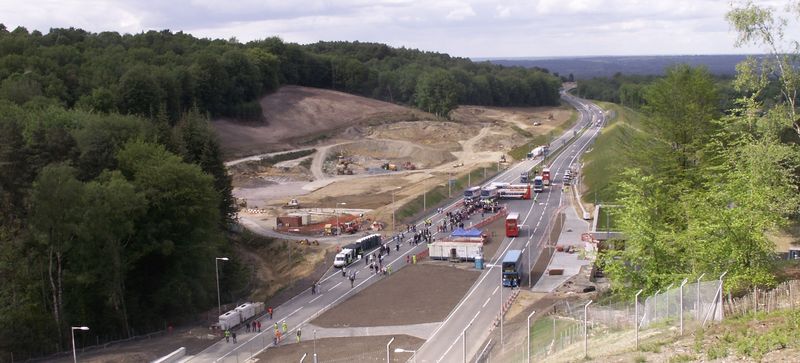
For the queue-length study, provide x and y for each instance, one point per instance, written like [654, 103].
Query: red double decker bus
[512, 226]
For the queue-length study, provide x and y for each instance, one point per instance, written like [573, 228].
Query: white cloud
[460, 27]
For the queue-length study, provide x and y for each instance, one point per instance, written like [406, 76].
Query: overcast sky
[496, 29]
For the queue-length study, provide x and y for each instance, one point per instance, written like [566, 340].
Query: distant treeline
[629, 90]
[167, 73]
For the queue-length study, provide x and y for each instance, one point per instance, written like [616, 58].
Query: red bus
[512, 226]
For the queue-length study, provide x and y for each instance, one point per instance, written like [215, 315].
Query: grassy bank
[607, 158]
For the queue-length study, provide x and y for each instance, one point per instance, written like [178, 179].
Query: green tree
[437, 92]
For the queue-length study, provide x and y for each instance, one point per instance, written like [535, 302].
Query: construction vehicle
[503, 158]
[349, 227]
[456, 165]
[546, 176]
[409, 166]
[389, 167]
[292, 204]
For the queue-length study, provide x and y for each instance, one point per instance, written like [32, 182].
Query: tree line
[161, 72]
[706, 184]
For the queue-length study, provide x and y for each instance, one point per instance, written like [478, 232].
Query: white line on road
[334, 286]
[315, 299]
[495, 290]
[487, 301]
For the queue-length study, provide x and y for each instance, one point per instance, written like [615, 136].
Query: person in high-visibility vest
[298, 335]
[285, 327]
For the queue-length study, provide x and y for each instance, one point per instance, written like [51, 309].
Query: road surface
[475, 314]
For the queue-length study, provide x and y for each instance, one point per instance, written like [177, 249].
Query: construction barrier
[500, 214]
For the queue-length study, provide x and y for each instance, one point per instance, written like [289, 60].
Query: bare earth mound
[413, 295]
[358, 349]
[295, 112]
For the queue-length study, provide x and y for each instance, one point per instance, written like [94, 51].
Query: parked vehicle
[511, 268]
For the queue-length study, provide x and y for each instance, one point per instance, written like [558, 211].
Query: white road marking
[315, 299]
[487, 301]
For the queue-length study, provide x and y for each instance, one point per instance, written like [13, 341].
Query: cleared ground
[358, 349]
[422, 293]
[294, 113]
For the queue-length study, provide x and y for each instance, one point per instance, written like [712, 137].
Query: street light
[72, 333]
[388, 358]
[393, 208]
[529, 334]
[315, 345]
[401, 350]
[216, 268]
[338, 226]
[586, 329]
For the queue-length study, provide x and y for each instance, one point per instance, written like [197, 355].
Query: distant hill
[589, 67]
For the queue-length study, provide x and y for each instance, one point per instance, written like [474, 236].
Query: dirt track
[422, 293]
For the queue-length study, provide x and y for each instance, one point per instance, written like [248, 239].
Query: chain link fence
[576, 328]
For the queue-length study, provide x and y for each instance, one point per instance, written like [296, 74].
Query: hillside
[296, 114]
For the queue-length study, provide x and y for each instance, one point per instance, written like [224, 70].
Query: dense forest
[168, 73]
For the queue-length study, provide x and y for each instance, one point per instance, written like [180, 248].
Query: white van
[344, 258]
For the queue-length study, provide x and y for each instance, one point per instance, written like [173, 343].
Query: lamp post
[72, 333]
[393, 208]
[529, 335]
[401, 350]
[388, 358]
[315, 345]
[216, 268]
[338, 228]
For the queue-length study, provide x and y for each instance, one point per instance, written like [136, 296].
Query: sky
[479, 28]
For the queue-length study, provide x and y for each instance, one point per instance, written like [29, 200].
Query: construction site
[369, 158]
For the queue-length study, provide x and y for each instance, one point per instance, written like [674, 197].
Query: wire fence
[576, 329]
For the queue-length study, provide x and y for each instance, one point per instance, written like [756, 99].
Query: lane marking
[487, 301]
[315, 299]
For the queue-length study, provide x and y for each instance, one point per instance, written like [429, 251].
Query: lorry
[523, 178]
[489, 194]
[538, 184]
[472, 194]
[546, 176]
[512, 268]
[363, 244]
[537, 152]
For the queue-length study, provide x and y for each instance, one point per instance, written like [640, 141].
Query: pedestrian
[352, 280]
[278, 333]
[258, 325]
[298, 335]
[276, 326]
[285, 327]
[344, 271]
[233, 334]
[314, 288]
[408, 259]
[254, 326]
[247, 328]
[227, 336]
[275, 338]
[414, 259]
[389, 269]
[269, 311]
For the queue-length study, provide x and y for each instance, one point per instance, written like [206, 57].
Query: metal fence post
[721, 311]
[655, 305]
[636, 318]
[680, 307]
[586, 329]
[698, 296]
